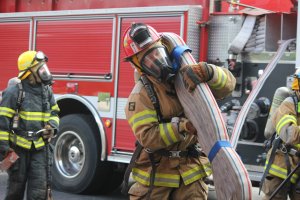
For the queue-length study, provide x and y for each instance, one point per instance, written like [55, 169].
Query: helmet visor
[155, 61]
[39, 56]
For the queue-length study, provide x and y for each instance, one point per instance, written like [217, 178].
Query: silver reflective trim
[67, 76]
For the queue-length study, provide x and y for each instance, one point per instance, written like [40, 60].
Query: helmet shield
[156, 63]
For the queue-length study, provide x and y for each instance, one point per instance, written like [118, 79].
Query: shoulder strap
[15, 121]
[152, 95]
[154, 99]
[136, 154]
[21, 96]
[295, 99]
[276, 142]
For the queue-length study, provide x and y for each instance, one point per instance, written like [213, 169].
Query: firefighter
[283, 157]
[170, 164]
[26, 108]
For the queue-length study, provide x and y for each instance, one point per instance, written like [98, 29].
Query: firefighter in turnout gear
[170, 164]
[26, 108]
[283, 157]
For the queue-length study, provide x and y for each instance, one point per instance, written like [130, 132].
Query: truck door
[15, 37]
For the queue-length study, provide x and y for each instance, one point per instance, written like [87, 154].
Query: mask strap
[136, 65]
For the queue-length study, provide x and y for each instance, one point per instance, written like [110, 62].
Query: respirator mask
[41, 70]
[155, 62]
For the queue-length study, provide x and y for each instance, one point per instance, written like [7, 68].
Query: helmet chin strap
[136, 65]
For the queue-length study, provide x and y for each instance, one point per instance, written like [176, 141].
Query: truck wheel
[77, 166]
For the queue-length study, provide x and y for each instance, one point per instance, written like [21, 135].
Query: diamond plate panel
[222, 30]
[194, 15]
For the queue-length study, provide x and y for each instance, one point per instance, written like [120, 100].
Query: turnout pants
[196, 190]
[30, 168]
[270, 185]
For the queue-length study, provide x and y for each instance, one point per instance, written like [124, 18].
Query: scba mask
[44, 74]
[156, 62]
[41, 70]
[143, 48]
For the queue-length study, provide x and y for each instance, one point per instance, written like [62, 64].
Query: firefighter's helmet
[27, 60]
[138, 37]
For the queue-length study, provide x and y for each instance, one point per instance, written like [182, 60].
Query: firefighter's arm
[222, 83]
[53, 123]
[285, 120]
[220, 80]
[143, 120]
[7, 111]
[54, 119]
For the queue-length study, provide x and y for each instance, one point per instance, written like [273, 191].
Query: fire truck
[83, 40]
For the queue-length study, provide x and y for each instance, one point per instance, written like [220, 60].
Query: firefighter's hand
[48, 133]
[195, 74]
[187, 126]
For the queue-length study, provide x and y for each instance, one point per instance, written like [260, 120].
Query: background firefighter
[171, 164]
[282, 158]
[20, 120]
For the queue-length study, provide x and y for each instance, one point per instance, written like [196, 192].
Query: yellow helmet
[26, 60]
[295, 83]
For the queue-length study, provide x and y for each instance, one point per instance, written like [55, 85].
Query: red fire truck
[83, 40]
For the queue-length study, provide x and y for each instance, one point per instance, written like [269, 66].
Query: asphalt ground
[116, 195]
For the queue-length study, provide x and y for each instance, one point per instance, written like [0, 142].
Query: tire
[77, 166]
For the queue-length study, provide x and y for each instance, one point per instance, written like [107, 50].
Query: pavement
[114, 196]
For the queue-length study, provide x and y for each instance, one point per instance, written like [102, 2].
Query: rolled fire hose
[253, 94]
[202, 109]
[243, 36]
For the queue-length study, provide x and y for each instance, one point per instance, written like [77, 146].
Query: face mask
[44, 74]
[156, 62]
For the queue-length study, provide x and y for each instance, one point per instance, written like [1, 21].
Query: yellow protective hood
[295, 84]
